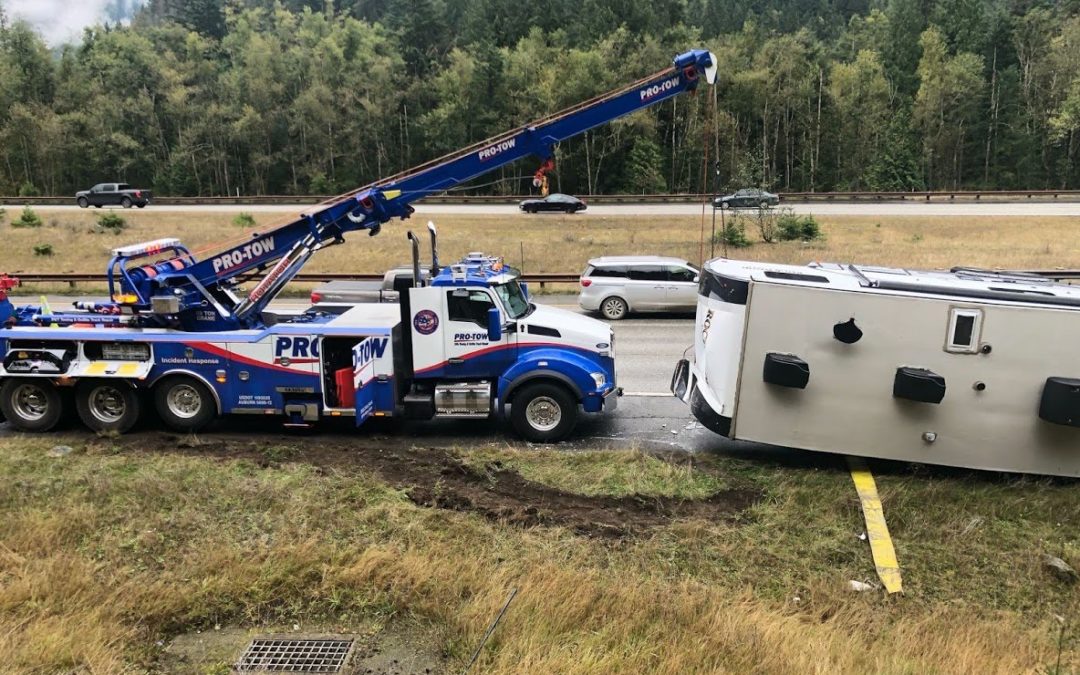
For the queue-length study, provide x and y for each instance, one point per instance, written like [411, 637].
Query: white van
[618, 285]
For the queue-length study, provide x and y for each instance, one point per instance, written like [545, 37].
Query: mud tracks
[435, 478]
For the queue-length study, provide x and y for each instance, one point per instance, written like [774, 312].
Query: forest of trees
[210, 97]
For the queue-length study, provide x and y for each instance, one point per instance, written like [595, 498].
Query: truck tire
[184, 404]
[108, 405]
[30, 404]
[613, 308]
[543, 413]
[126, 202]
[83, 202]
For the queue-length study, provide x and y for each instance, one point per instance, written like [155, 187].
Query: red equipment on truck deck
[346, 392]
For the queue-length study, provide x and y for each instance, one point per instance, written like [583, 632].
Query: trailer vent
[295, 656]
[918, 384]
[1061, 401]
[786, 370]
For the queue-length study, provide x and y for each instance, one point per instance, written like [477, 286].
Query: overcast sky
[58, 21]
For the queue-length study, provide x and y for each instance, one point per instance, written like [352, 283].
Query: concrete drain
[294, 656]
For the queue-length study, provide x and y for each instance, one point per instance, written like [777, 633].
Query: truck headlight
[599, 378]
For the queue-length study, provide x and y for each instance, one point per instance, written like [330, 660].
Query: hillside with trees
[209, 97]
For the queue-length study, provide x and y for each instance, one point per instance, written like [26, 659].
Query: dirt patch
[433, 477]
[399, 651]
[504, 495]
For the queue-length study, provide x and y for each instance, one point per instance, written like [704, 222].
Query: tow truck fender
[158, 377]
[565, 366]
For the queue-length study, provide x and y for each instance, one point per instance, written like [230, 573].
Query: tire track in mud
[435, 478]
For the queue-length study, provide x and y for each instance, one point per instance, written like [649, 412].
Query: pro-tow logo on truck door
[364, 354]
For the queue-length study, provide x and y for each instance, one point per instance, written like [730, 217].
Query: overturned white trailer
[967, 368]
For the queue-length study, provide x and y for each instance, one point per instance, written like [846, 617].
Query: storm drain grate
[294, 656]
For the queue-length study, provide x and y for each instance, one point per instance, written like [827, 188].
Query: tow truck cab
[476, 342]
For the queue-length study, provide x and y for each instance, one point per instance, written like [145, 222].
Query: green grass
[606, 473]
[109, 550]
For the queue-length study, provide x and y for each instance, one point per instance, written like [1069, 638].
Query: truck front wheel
[107, 405]
[184, 404]
[543, 413]
[30, 404]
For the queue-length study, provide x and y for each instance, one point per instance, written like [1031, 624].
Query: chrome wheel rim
[107, 404]
[614, 308]
[543, 413]
[30, 402]
[184, 401]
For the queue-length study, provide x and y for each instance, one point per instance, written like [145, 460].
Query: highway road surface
[906, 208]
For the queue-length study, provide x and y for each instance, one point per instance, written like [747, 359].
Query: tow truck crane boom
[198, 295]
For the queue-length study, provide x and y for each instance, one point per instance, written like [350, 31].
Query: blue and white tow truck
[179, 331]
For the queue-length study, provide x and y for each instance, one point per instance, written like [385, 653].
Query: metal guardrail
[542, 278]
[271, 200]
[73, 279]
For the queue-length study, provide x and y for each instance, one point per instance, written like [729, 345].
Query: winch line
[877, 531]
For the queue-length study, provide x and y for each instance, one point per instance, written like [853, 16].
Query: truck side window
[472, 307]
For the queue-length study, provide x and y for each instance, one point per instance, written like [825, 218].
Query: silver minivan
[618, 285]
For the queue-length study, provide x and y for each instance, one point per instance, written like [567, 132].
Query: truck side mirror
[494, 326]
[524, 289]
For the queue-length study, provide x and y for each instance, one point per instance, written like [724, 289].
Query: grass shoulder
[124, 544]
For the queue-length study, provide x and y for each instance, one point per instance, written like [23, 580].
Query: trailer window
[965, 326]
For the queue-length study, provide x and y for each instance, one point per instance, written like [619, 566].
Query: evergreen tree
[643, 169]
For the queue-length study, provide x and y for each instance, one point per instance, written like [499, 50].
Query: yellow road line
[881, 546]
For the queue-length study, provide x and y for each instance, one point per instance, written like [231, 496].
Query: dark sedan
[746, 199]
[553, 202]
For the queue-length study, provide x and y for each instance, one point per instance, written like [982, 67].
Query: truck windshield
[513, 299]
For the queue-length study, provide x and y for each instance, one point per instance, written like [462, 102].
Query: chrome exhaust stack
[415, 260]
[434, 249]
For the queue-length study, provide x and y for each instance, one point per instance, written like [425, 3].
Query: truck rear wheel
[107, 405]
[543, 413]
[126, 202]
[184, 403]
[30, 404]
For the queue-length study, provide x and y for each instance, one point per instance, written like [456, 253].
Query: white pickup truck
[356, 292]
